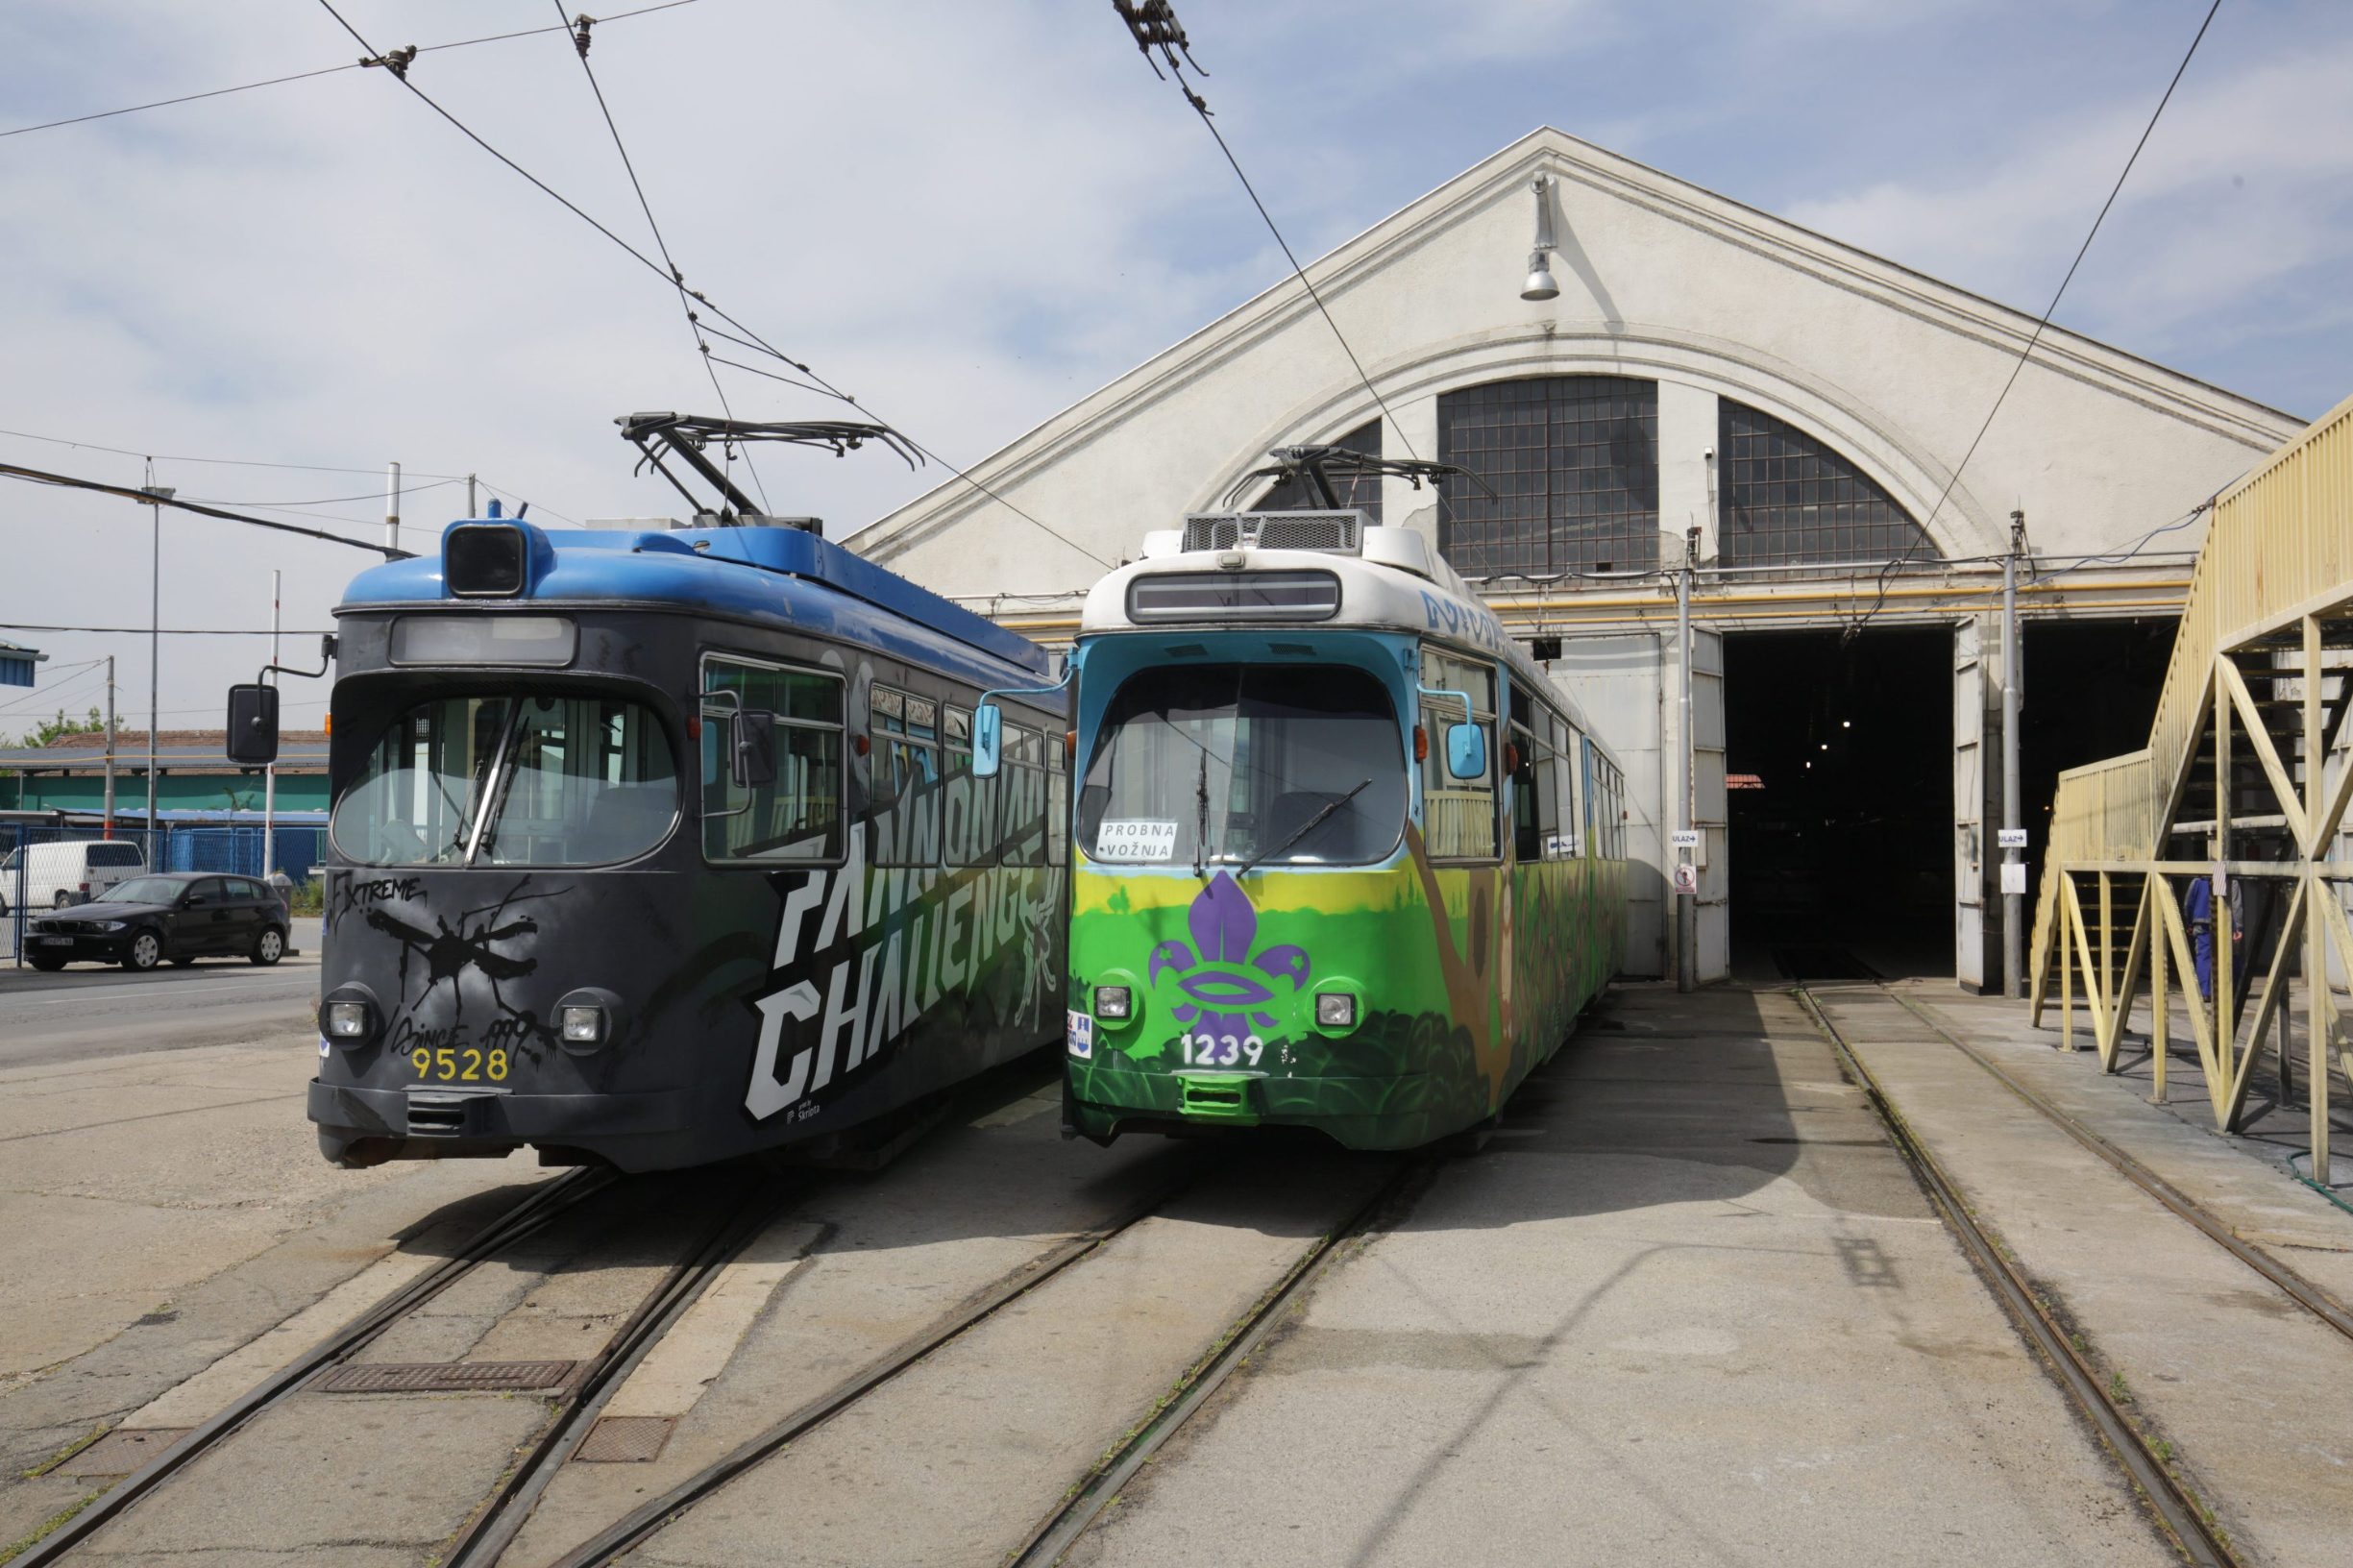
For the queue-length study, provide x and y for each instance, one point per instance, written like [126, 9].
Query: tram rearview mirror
[252, 726]
[752, 763]
[1466, 750]
[987, 737]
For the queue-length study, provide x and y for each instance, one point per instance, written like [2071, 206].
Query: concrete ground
[2252, 1394]
[160, 1212]
[1689, 1306]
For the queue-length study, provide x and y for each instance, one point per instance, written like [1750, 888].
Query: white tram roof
[1388, 580]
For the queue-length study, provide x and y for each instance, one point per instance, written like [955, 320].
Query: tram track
[538, 1209]
[2315, 1298]
[503, 1515]
[1060, 1531]
[1092, 1490]
[2176, 1507]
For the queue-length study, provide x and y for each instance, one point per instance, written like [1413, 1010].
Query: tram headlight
[349, 1017]
[1115, 1003]
[587, 1020]
[1336, 1010]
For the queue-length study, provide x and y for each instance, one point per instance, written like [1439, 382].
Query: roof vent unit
[1335, 533]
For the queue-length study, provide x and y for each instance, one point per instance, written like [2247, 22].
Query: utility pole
[1686, 904]
[470, 511]
[2013, 903]
[392, 507]
[157, 495]
[269, 774]
[110, 827]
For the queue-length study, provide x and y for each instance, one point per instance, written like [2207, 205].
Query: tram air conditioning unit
[1335, 534]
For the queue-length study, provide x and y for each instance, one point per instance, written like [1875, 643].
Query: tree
[50, 729]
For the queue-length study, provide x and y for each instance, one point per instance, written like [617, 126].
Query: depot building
[1708, 387]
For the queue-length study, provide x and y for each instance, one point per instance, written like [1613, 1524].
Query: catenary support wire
[2042, 326]
[750, 337]
[69, 481]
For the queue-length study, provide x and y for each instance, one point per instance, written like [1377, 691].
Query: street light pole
[109, 752]
[157, 495]
[269, 774]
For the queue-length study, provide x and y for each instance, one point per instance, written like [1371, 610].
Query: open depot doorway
[1838, 763]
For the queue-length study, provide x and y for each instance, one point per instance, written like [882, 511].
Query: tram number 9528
[1221, 1050]
[464, 1064]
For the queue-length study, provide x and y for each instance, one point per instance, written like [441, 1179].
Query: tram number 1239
[1221, 1050]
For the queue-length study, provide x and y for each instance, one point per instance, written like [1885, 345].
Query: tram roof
[1390, 581]
[756, 572]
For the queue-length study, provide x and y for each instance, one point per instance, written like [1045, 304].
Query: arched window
[1784, 496]
[1574, 464]
[1359, 492]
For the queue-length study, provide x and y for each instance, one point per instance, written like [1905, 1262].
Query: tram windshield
[509, 780]
[1245, 764]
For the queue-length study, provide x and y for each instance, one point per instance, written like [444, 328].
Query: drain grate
[625, 1439]
[119, 1453]
[444, 1377]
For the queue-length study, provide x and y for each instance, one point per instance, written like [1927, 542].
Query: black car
[179, 916]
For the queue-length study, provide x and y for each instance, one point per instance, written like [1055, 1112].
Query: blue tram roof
[766, 573]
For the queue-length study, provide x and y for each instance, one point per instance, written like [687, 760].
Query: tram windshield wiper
[1304, 828]
[1201, 829]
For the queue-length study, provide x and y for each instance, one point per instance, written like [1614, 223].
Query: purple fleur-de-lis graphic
[1222, 1000]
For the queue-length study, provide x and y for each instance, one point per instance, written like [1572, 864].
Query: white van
[54, 875]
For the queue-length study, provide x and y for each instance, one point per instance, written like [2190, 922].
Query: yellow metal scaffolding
[2247, 774]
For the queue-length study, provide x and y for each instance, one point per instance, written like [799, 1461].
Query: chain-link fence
[45, 866]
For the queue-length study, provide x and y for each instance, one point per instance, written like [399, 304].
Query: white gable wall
[1659, 279]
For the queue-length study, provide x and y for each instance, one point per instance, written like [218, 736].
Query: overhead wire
[407, 490]
[581, 39]
[222, 462]
[167, 632]
[751, 338]
[70, 481]
[324, 70]
[45, 694]
[2081, 251]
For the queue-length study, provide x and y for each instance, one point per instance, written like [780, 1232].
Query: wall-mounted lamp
[1540, 285]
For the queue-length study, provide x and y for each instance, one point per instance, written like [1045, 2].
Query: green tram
[1346, 859]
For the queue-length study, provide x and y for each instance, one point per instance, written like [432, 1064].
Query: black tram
[661, 847]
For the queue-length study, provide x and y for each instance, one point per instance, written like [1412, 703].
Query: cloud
[2245, 186]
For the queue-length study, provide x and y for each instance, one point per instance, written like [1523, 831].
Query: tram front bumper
[361, 1126]
[1388, 1111]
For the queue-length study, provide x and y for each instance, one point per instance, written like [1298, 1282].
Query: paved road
[88, 1011]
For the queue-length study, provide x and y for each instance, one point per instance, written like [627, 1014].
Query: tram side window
[1606, 789]
[1024, 793]
[1527, 832]
[1617, 813]
[1057, 801]
[1457, 814]
[797, 816]
[1567, 747]
[903, 792]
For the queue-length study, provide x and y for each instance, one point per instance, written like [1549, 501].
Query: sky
[970, 217]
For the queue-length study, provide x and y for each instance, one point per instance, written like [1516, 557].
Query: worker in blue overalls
[2198, 908]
